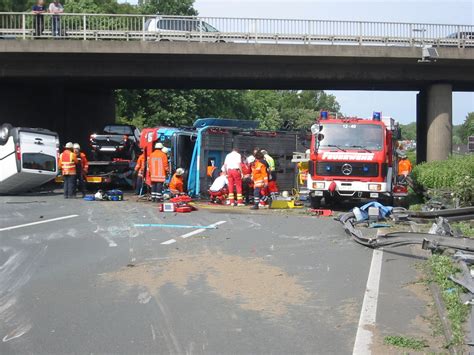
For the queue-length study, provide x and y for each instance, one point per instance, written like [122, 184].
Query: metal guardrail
[240, 30]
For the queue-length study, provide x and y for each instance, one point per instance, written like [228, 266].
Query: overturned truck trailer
[215, 138]
[211, 139]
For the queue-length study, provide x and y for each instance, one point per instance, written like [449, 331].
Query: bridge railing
[223, 29]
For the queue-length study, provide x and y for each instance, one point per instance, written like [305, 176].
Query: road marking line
[39, 222]
[190, 234]
[368, 313]
[171, 241]
[175, 226]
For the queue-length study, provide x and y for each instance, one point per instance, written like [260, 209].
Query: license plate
[107, 149]
[318, 193]
[345, 187]
[374, 195]
[94, 179]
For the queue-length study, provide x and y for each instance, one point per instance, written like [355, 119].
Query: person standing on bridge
[39, 9]
[56, 8]
[67, 164]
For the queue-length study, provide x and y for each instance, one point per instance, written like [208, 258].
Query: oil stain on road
[251, 283]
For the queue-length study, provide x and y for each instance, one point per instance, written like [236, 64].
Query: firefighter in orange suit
[139, 170]
[67, 164]
[177, 184]
[82, 169]
[404, 165]
[259, 178]
[158, 167]
[404, 168]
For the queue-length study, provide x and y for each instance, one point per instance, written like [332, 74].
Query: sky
[400, 105]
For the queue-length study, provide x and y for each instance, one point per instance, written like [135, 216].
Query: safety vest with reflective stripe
[158, 166]
[176, 184]
[140, 167]
[259, 174]
[84, 162]
[404, 167]
[67, 162]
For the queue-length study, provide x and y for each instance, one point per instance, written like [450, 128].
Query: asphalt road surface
[80, 277]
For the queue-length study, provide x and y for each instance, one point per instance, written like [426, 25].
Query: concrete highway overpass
[68, 85]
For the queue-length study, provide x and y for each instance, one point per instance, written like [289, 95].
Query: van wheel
[5, 130]
[315, 202]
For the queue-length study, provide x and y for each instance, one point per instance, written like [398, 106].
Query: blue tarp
[384, 211]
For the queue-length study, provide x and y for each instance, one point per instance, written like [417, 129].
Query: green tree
[16, 5]
[467, 128]
[408, 131]
[168, 7]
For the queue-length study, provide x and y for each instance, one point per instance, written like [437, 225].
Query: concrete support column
[73, 112]
[439, 139]
[421, 126]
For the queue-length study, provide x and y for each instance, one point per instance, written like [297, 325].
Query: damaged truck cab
[353, 158]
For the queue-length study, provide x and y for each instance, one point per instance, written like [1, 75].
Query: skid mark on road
[15, 271]
[251, 283]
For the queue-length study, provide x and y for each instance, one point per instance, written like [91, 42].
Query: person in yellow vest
[177, 184]
[67, 164]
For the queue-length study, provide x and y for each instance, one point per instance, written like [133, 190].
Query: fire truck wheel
[315, 201]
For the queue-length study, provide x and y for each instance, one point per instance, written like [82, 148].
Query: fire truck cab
[353, 158]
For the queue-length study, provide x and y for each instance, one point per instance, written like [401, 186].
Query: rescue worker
[271, 165]
[247, 185]
[233, 171]
[218, 191]
[158, 167]
[259, 178]
[303, 170]
[82, 169]
[212, 171]
[404, 166]
[177, 184]
[139, 171]
[67, 164]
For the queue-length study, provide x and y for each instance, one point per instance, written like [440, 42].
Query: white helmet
[179, 171]
[165, 150]
[159, 145]
[69, 145]
[77, 146]
[250, 159]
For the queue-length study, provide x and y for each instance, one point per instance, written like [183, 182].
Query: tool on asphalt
[320, 212]
[178, 226]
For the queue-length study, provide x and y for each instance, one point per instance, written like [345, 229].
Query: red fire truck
[354, 158]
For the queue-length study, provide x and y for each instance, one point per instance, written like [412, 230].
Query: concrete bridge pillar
[73, 112]
[434, 123]
[421, 127]
[439, 142]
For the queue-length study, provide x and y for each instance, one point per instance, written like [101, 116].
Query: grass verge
[441, 267]
[467, 229]
[405, 342]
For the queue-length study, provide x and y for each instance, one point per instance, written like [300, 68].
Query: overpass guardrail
[224, 29]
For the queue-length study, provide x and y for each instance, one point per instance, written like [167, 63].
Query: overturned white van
[28, 158]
